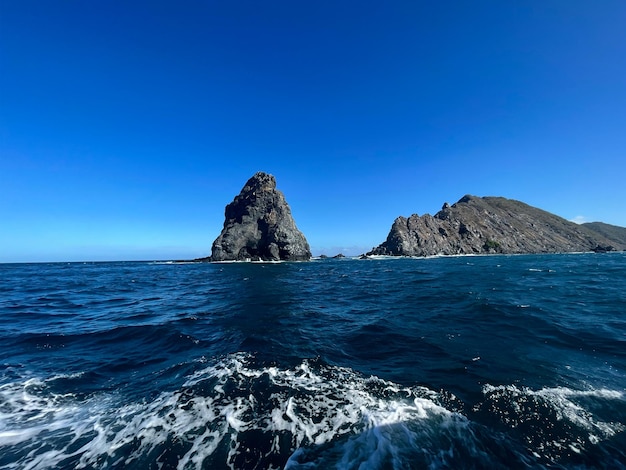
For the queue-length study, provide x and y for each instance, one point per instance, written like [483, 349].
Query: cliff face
[477, 225]
[259, 226]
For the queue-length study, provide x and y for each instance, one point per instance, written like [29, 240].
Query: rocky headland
[259, 226]
[482, 225]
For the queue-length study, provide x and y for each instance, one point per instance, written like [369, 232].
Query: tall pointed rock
[259, 226]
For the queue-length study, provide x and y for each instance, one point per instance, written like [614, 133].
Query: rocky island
[482, 225]
[259, 226]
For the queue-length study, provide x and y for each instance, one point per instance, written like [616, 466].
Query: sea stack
[259, 226]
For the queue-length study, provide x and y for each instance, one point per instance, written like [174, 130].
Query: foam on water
[564, 417]
[230, 410]
[235, 413]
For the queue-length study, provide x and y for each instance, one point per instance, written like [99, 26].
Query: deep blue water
[460, 362]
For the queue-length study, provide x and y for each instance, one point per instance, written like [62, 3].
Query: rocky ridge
[259, 226]
[612, 232]
[476, 225]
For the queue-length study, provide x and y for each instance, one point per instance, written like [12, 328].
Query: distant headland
[259, 226]
[483, 225]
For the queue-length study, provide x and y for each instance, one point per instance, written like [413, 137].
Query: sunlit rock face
[482, 225]
[259, 226]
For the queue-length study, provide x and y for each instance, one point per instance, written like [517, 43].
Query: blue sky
[126, 127]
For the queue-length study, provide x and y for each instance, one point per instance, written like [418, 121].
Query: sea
[465, 362]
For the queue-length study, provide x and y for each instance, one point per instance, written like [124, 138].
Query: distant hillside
[477, 225]
[612, 232]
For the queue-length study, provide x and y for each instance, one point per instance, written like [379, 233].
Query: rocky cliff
[259, 226]
[477, 225]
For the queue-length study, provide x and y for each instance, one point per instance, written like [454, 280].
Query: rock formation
[491, 225]
[259, 226]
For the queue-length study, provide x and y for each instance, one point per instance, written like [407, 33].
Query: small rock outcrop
[259, 226]
[476, 225]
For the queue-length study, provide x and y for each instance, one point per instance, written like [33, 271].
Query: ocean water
[458, 362]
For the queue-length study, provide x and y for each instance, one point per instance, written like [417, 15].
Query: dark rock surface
[259, 226]
[476, 225]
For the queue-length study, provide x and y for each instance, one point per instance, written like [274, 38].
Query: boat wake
[237, 413]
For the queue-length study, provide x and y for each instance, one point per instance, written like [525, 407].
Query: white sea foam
[219, 406]
[579, 427]
[239, 412]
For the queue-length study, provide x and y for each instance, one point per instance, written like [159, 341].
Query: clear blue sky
[127, 126]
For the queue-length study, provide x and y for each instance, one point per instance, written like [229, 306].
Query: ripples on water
[466, 362]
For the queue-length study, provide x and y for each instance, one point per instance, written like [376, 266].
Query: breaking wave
[238, 413]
